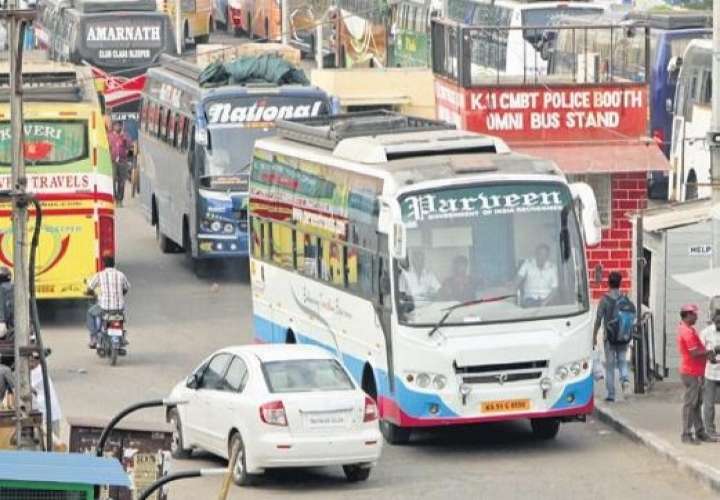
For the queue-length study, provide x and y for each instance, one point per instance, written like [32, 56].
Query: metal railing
[561, 54]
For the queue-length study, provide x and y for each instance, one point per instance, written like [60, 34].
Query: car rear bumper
[286, 450]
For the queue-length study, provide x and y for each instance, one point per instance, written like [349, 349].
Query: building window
[601, 185]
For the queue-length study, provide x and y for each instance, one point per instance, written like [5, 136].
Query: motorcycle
[111, 341]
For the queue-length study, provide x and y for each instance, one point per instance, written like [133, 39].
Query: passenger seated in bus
[418, 282]
[459, 285]
[537, 279]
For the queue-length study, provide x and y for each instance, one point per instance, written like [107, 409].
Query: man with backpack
[616, 313]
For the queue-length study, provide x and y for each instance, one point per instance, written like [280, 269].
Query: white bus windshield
[514, 248]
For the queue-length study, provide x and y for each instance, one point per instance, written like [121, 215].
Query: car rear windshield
[306, 375]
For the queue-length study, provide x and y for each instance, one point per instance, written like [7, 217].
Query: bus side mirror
[673, 68]
[399, 247]
[589, 215]
[390, 223]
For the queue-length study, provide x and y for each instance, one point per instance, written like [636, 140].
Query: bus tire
[290, 337]
[545, 428]
[394, 434]
[164, 243]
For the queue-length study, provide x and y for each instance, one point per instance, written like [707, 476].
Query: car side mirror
[193, 381]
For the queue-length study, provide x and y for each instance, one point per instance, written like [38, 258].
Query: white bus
[692, 116]
[397, 242]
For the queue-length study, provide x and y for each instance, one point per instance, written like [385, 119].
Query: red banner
[542, 113]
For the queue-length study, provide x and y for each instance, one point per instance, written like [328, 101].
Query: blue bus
[195, 149]
[670, 34]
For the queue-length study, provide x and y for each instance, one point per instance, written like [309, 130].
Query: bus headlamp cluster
[216, 226]
[572, 370]
[426, 380]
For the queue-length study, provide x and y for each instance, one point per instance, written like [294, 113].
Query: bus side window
[171, 127]
[256, 238]
[282, 246]
[181, 134]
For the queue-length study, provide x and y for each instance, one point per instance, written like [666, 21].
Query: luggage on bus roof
[270, 69]
[95, 6]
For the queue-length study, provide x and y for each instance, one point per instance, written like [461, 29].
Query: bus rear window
[47, 142]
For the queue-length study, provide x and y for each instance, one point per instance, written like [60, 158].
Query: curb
[707, 474]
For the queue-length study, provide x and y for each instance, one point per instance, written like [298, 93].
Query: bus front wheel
[164, 243]
[394, 434]
[545, 428]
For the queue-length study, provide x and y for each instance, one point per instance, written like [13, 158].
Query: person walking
[710, 337]
[120, 146]
[693, 358]
[611, 312]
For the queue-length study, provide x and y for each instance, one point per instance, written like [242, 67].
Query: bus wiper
[459, 305]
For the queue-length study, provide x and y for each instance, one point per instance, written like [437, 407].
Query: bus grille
[501, 373]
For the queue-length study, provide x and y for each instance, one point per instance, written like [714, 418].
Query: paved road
[177, 319]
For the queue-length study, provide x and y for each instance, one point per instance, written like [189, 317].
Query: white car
[282, 405]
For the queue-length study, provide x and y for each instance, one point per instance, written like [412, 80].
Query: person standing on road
[693, 358]
[615, 354]
[110, 287]
[710, 337]
[120, 145]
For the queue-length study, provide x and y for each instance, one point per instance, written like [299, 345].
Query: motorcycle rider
[110, 287]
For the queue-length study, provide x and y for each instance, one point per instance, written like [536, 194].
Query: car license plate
[505, 405]
[115, 332]
[315, 420]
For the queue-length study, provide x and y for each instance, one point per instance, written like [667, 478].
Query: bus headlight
[228, 228]
[562, 373]
[572, 369]
[422, 380]
[439, 382]
[575, 369]
[216, 226]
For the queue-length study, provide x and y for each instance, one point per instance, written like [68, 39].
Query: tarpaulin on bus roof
[605, 158]
[259, 69]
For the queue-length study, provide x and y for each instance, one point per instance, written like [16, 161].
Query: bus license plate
[115, 332]
[505, 405]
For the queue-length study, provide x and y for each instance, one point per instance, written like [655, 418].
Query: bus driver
[538, 278]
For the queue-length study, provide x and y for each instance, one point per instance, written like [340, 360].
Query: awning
[606, 158]
[705, 282]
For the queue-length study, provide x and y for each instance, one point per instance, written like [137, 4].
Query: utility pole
[179, 32]
[714, 133]
[16, 19]
[285, 22]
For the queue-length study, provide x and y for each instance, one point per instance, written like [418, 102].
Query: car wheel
[356, 473]
[239, 468]
[545, 428]
[394, 434]
[177, 445]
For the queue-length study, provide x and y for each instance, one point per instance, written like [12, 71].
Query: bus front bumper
[222, 247]
[410, 408]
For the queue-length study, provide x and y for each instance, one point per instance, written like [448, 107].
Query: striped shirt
[110, 285]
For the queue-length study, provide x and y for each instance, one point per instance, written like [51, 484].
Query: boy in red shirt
[693, 357]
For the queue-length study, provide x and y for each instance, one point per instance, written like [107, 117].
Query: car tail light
[371, 411]
[115, 324]
[658, 136]
[107, 237]
[273, 413]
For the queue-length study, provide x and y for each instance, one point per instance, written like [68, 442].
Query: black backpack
[619, 320]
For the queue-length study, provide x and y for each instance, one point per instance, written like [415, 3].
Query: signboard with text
[541, 113]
